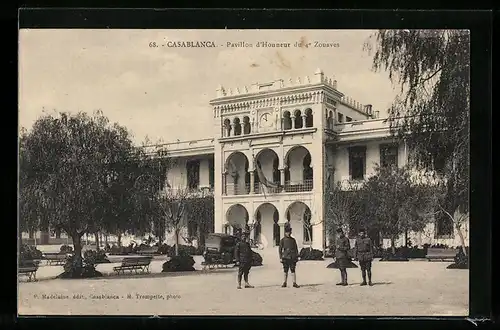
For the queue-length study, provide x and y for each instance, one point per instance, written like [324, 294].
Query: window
[193, 174]
[357, 160]
[388, 155]
[444, 226]
[341, 118]
[348, 119]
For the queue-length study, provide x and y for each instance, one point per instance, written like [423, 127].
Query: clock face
[265, 120]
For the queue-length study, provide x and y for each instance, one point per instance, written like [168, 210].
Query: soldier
[364, 254]
[289, 255]
[243, 255]
[341, 250]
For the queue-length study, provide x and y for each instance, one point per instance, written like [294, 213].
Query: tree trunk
[77, 252]
[201, 237]
[119, 239]
[106, 239]
[393, 245]
[406, 238]
[176, 242]
[462, 240]
[97, 242]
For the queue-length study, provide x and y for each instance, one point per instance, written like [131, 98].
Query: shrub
[185, 250]
[181, 263]
[330, 251]
[78, 267]
[164, 249]
[461, 261]
[310, 254]
[256, 259]
[66, 249]
[29, 252]
[95, 257]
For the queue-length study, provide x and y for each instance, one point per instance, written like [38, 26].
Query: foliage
[461, 260]
[393, 203]
[432, 111]
[76, 172]
[256, 259]
[95, 257]
[78, 267]
[66, 249]
[29, 252]
[200, 210]
[310, 254]
[343, 208]
[179, 263]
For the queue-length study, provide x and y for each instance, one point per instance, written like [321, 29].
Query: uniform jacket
[363, 249]
[342, 246]
[288, 249]
[243, 252]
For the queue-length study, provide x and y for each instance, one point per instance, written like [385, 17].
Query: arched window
[227, 127]
[298, 119]
[246, 125]
[309, 118]
[237, 126]
[287, 121]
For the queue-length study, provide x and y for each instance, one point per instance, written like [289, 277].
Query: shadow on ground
[289, 285]
[374, 283]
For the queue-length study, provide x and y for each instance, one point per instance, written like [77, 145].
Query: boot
[363, 274]
[285, 279]
[295, 285]
[239, 282]
[341, 278]
[344, 281]
[370, 277]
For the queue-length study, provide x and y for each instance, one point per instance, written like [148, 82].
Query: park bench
[29, 269]
[134, 264]
[148, 251]
[57, 258]
[440, 254]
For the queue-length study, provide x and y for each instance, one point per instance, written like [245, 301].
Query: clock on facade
[265, 120]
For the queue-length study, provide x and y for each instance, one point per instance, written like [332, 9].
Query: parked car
[219, 248]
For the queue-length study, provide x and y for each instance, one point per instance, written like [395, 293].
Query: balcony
[290, 187]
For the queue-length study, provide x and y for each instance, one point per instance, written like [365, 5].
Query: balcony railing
[259, 188]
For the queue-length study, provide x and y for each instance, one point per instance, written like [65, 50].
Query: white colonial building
[301, 134]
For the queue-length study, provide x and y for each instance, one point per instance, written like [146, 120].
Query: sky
[164, 92]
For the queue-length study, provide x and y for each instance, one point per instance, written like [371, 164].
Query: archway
[246, 125]
[268, 161]
[287, 120]
[299, 123]
[227, 128]
[299, 216]
[298, 172]
[267, 229]
[309, 118]
[237, 178]
[237, 217]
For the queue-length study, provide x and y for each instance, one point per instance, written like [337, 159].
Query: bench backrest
[142, 261]
[441, 252]
[149, 250]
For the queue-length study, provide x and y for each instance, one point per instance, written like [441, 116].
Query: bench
[441, 254]
[29, 269]
[134, 264]
[55, 258]
[148, 251]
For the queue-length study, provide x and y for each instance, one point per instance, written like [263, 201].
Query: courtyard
[414, 288]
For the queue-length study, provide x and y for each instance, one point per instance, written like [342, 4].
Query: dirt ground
[415, 288]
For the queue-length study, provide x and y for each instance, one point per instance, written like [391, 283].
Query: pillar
[252, 182]
[232, 130]
[304, 120]
[242, 128]
[282, 178]
[224, 183]
[293, 122]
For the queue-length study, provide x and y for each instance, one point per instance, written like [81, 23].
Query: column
[224, 183]
[282, 177]
[252, 182]
[304, 120]
[242, 128]
[293, 122]
[232, 130]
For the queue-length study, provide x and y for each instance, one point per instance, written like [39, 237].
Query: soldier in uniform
[342, 247]
[289, 255]
[364, 254]
[243, 255]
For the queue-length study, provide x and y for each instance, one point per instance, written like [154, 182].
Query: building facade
[274, 148]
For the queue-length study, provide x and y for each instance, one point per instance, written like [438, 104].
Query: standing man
[364, 254]
[289, 255]
[341, 253]
[243, 255]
